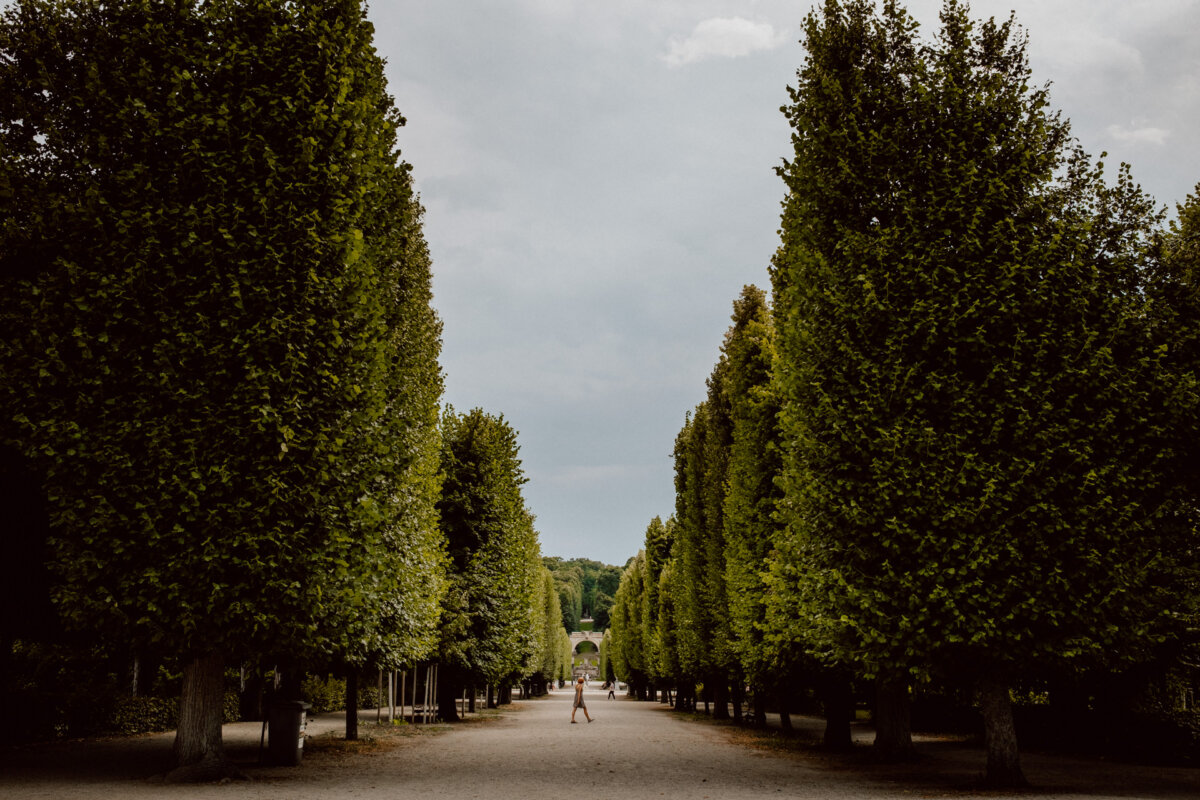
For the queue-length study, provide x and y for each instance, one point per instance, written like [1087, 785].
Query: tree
[687, 552]
[1174, 289]
[490, 629]
[568, 578]
[658, 540]
[606, 666]
[217, 347]
[754, 463]
[628, 654]
[665, 638]
[973, 482]
[702, 608]
[550, 665]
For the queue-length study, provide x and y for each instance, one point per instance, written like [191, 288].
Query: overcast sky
[598, 183]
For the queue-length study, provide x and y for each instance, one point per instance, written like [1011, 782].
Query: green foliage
[1175, 316]
[974, 477]
[564, 655]
[628, 650]
[569, 584]
[550, 664]
[324, 693]
[700, 603]
[606, 668]
[666, 644]
[584, 586]
[754, 462]
[492, 622]
[643, 640]
[132, 715]
[217, 342]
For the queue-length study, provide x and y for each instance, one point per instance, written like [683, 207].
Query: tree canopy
[957, 447]
[218, 350]
[974, 464]
[493, 626]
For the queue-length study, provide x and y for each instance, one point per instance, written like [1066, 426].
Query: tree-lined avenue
[632, 750]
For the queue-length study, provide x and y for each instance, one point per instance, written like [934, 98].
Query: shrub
[324, 693]
[131, 715]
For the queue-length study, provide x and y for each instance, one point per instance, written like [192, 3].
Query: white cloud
[1155, 136]
[723, 37]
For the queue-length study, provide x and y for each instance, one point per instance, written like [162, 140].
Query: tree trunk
[839, 705]
[1000, 736]
[471, 700]
[449, 690]
[352, 705]
[9, 734]
[199, 752]
[291, 684]
[760, 708]
[720, 695]
[785, 716]
[893, 724]
[250, 702]
[684, 698]
[1070, 713]
[491, 696]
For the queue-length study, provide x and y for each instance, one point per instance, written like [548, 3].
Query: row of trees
[219, 387]
[959, 450]
[502, 618]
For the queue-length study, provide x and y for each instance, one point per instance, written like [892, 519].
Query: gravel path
[633, 750]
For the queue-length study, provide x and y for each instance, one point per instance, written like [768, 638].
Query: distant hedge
[132, 715]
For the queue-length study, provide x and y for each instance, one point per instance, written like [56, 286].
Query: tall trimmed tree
[657, 550]
[1175, 295]
[754, 464]
[974, 482]
[218, 349]
[629, 644]
[489, 627]
[705, 652]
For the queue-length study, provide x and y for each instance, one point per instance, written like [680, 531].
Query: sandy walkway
[633, 750]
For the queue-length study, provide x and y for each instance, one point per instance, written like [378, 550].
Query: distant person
[612, 690]
[578, 704]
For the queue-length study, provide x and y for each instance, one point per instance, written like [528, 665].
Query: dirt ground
[531, 751]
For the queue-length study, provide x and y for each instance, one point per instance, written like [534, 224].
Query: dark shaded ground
[633, 750]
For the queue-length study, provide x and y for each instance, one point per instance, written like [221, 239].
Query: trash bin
[288, 719]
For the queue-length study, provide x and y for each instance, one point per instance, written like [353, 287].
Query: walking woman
[579, 702]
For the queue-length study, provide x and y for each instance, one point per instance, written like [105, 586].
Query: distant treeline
[585, 588]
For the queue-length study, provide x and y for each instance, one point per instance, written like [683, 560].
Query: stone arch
[585, 653]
